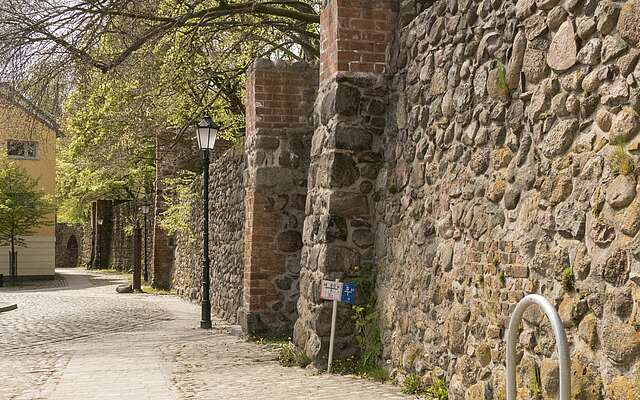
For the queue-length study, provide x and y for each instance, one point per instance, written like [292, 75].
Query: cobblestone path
[78, 339]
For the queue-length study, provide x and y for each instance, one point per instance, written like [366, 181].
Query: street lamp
[206, 132]
[99, 243]
[145, 211]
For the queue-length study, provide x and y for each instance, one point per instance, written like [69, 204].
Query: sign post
[336, 291]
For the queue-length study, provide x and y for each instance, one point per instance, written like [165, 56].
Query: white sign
[331, 290]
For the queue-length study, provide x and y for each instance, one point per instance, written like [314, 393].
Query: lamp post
[206, 132]
[145, 212]
[98, 260]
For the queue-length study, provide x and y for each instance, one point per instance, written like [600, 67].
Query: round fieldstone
[621, 192]
[629, 22]
[625, 126]
[621, 342]
[590, 52]
[558, 141]
[563, 51]
[616, 269]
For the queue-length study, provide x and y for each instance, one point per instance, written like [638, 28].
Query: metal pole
[146, 271]
[561, 341]
[206, 302]
[333, 332]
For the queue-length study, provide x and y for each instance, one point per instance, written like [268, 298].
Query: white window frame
[23, 156]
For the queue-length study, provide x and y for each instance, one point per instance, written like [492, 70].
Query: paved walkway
[78, 339]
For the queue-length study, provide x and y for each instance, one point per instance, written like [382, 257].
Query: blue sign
[348, 293]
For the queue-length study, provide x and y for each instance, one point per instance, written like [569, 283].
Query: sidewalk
[86, 342]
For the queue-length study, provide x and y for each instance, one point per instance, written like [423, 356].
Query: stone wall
[125, 216]
[346, 156]
[510, 168]
[226, 207]
[69, 241]
[279, 127]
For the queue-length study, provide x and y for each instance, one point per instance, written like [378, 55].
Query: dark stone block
[336, 229]
[347, 100]
[362, 238]
[348, 204]
[337, 258]
[344, 171]
[351, 138]
[267, 142]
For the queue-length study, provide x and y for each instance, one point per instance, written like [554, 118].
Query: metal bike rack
[561, 340]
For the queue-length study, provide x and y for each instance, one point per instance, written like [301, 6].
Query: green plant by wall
[411, 384]
[502, 84]
[621, 161]
[535, 385]
[291, 356]
[568, 279]
[438, 390]
[367, 331]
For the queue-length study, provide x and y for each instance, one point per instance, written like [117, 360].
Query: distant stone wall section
[69, 242]
[226, 247]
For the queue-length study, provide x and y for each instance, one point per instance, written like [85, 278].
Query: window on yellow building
[22, 149]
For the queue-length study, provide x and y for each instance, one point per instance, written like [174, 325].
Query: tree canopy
[118, 73]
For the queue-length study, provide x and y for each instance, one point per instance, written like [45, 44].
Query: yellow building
[28, 137]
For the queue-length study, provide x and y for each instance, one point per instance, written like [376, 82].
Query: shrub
[411, 384]
[291, 356]
[438, 390]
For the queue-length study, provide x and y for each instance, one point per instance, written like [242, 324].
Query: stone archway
[72, 251]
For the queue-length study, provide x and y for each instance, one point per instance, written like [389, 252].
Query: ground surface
[75, 338]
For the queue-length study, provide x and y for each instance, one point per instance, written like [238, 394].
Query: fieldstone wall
[279, 128]
[69, 241]
[226, 247]
[346, 156]
[510, 167]
[125, 217]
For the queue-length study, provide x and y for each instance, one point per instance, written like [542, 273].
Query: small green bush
[568, 279]
[411, 384]
[290, 356]
[438, 391]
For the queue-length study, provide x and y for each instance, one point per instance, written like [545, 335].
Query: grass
[438, 390]
[353, 366]
[621, 162]
[291, 356]
[568, 279]
[411, 384]
[158, 292]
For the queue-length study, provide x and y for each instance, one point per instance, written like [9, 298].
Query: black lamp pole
[146, 270]
[206, 133]
[206, 302]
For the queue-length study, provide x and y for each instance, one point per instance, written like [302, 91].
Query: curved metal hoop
[561, 340]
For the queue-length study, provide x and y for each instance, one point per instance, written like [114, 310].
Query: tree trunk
[13, 268]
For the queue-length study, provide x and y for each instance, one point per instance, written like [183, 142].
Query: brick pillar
[345, 158]
[279, 105]
[163, 244]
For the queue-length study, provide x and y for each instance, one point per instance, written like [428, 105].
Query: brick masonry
[279, 102]
[354, 35]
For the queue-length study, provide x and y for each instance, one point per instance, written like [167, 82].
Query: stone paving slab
[86, 342]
